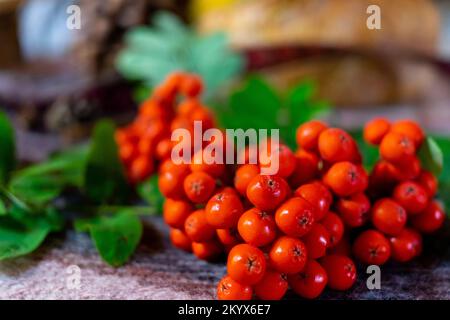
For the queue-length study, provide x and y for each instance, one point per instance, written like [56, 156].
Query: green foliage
[115, 237]
[104, 179]
[149, 191]
[431, 156]
[152, 52]
[257, 105]
[7, 148]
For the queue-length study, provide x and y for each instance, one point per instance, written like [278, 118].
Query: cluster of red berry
[300, 227]
[146, 142]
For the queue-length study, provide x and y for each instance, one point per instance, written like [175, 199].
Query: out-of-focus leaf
[369, 153]
[431, 156]
[18, 240]
[7, 149]
[151, 53]
[115, 237]
[2, 208]
[104, 178]
[149, 191]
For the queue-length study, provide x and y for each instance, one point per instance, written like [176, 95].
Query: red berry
[229, 289]
[429, 182]
[375, 130]
[199, 187]
[430, 220]
[341, 271]
[335, 228]
[272, 286]
[197, 227]
[354, 210]
[288, 255]
[388, 216]
[411, 196]
[336, 145]
[318, 195]
[283, 155]
[317, 241]
[267, 192]
[246, 264]
[295, 217]
[257, 227]
[223, 210]
[372, 247]
[243, 177]
[346, 178]
[310, 282]
[406, 246]
[308, 134]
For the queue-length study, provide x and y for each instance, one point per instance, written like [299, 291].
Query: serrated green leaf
[7, 148]
[431, 156]
[149, 191]
[104, 179]
[18, 240]
[116, 237]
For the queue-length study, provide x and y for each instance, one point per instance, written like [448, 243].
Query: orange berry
[199, 165]
[191, 86]
[336, 145]
[375, 130]
[180, 240]
[229, 289]
[273, 286]
[318, 195]
[429, 182]
[295, 217]
[306, 168]
[308, 134]
[257, 227]
[197, 228]
[163, 149]
[243, 177]
[199, 187]
[208, 251]
[267, 192]
[171, 178]
[430, 220]
[346, 178]
[224, 209]
[397, 148]
[411, 129]
[141, 168]
[175, 212]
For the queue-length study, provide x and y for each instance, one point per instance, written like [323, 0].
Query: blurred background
[57, 79]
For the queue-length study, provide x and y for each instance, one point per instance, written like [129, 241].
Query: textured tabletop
[158, 271]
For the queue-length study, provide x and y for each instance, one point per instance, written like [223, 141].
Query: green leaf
[18, 240]
[431, 156]
[116, 237]
[2, 208]
[151, 53]
[149, 191]
[104, 179]
[7, 148]
[369, 153]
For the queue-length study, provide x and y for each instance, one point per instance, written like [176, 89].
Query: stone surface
[158, 271]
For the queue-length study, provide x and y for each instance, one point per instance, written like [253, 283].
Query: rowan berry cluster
[146, 142]
[300, 228]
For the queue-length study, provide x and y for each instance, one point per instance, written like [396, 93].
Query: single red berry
[246, 264]
[257, 227]
[388, 216]
[336, 145]
[282, 155]
[341, 271]
[411, 196]
[267, 192]
[208, 251]
[229, 236]
[346, 178]
[411, 129]
[430, 220]
[295, 217]
[372, 247]
[354, 210]
[223, 210]
[199, 187]
[317, 241]
[406, 246]
[288, 255]
[310, 282]
[272, 286]
[180, 240]
[318, 195]
[175, 212]
[427, 180]
[397, 148]
[375, 130]
[229, 289]
[306, 168]
[335, 227]
[308, 134]
[243, 176]
[197, 227]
